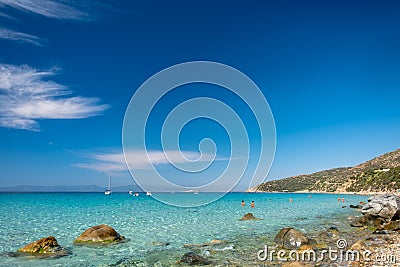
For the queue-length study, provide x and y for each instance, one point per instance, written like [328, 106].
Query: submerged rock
[333, 228]
[291, 238]
[47, 245]
[384, 206]
[160, 244]
[249, 216]
[100, 234]
[194, 259]
[324, 235]
[356, 206]
[206, 244]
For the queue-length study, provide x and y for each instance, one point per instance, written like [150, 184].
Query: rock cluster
[385, 206]
[381, 212]
[100, 234]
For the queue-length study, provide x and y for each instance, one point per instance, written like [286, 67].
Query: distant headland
[381, 174]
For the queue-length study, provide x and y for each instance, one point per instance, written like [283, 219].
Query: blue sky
[68, 69]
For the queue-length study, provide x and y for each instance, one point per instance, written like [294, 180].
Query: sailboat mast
[109, 181]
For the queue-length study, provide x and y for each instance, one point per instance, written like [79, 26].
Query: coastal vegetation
[381, 174]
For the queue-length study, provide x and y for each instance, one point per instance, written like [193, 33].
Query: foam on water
[148, 223]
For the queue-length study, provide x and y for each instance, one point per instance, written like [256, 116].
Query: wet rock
[368, 220]
[333, 228]
[332, 232]
[291, 238]
[249, 216]
[324, 235]
[194, 259]
[356, 206]
[392, 226]
[360, 222]
[385, 206]
[44, 245]
[362, 203]
[100, 234]
[47, 245]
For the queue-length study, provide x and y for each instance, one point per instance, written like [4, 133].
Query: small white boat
[130, 192]
[148, 193]
[136, 195]
[108, 190]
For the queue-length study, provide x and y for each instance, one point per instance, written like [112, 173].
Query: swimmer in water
[290, 200]
[243, 204]
[252, 204]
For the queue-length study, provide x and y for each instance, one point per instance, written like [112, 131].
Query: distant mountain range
[381, 174]
[67, 188]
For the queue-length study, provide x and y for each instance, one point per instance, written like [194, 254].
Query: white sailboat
[108, 190]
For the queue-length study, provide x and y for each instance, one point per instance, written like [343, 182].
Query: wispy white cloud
[53, 9]
[115, 162]
[47, 8]
[19, 36]
[4, 15]
[26, 96]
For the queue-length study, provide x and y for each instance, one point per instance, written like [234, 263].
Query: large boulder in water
[385, 206]
[47, 245]
[291, 238]
[249, 216]
[100, 234]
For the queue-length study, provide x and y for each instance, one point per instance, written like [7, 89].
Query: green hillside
[379, 174]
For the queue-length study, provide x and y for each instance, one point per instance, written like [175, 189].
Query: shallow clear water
[147, 223]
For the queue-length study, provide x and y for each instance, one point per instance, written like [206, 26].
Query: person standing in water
[243, 204]
[252, 204]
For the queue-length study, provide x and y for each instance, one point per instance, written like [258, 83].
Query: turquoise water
[147, 223]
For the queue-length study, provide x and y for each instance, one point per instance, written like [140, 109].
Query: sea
[158, 234]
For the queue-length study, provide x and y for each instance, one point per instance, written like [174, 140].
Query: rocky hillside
[379, 174]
